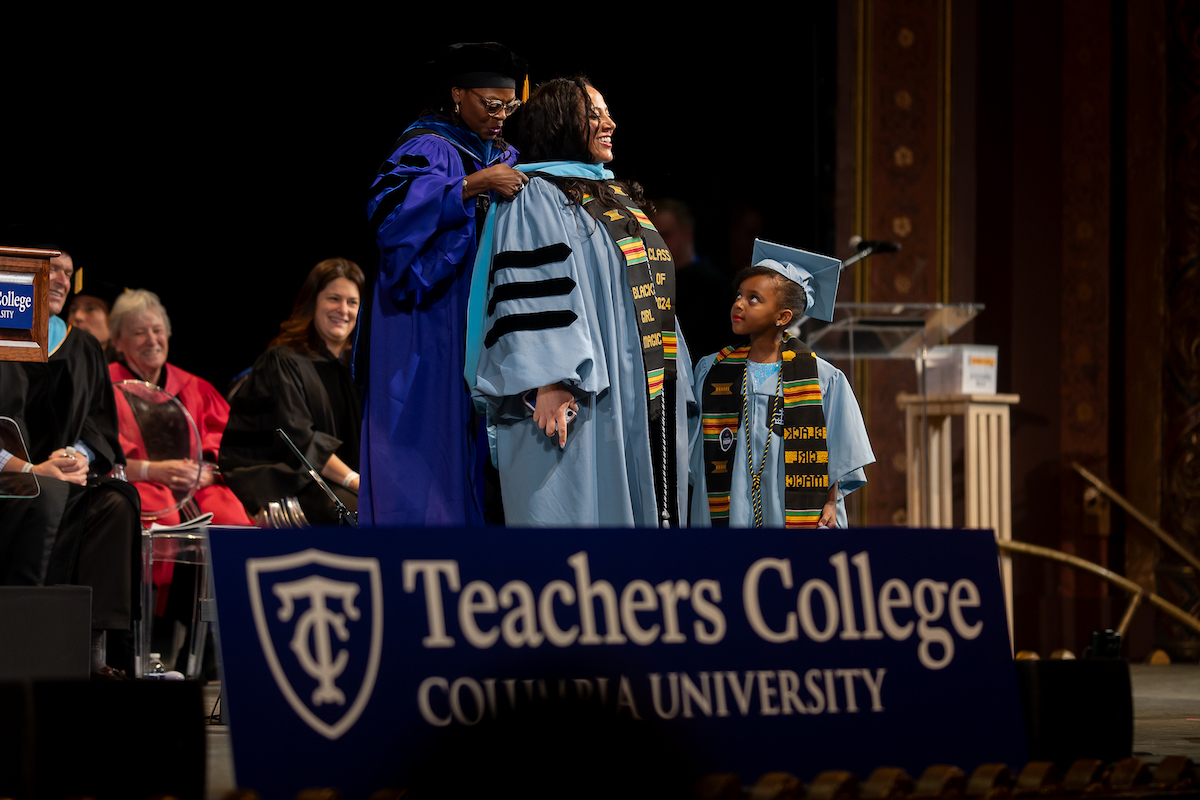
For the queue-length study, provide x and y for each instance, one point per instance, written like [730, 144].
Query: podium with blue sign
[24, 303]
[358, 659]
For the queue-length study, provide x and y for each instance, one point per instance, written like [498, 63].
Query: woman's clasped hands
[65, 464]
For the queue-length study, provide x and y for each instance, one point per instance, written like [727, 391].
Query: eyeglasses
[493, 107]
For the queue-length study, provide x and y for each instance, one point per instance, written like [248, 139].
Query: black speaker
[45, 632]
[112, 740]
[16, 745]
[1077, 709]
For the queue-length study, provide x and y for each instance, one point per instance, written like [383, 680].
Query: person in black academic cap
[90, 313]
[89, 306]
[420, 462]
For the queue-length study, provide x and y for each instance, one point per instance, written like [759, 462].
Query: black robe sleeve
[65, 400]
[99, 429]
[282, 391]
[93, 531]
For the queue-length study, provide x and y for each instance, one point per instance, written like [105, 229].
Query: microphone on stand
[868, 247]
[863, 248]
[875, 246]
[346, 517]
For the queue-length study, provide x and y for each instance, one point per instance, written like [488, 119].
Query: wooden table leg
[972, 465]
[947, 475]
[912, 457]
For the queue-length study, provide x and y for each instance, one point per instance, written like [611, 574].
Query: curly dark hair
[298, 331]
[554, 126]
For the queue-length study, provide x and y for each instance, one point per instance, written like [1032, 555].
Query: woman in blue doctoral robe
[418, 452]
[559, 320]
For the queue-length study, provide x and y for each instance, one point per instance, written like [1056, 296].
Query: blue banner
[16, 305]
[352, 659]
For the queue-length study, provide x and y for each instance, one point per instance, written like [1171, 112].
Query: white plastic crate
[961, 369]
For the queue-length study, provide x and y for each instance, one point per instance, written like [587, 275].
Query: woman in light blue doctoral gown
[557, 333]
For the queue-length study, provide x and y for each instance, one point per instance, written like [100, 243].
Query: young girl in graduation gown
[807, 445]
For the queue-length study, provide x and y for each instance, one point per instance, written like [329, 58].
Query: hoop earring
[456, 108]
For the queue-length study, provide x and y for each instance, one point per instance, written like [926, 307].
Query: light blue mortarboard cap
[817, 274]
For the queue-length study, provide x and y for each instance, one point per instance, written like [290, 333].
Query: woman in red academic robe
[139, 333]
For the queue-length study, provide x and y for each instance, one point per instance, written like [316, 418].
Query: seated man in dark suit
[84, 528]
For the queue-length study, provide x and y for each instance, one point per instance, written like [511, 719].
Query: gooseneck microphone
[346, 517]
[875, 246]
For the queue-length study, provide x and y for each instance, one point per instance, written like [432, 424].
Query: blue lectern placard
[16, 305]
[354, 658]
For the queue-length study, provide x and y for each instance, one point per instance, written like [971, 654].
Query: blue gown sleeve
[688, 399]
[699, 517]
[849, 447]
[425, 227]
[542, 325]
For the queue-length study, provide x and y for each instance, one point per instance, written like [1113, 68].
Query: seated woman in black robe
[301, 384]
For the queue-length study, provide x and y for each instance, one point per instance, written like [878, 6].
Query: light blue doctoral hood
[479, 278]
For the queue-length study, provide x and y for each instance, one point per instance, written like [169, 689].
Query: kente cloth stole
[651, 275]
[800, 423]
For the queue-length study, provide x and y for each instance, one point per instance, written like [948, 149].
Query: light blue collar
[56, 332]
[568, 169]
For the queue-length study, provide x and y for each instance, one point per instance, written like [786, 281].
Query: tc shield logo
[319, 618]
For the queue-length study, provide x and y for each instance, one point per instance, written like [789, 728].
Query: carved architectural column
[1181, 374]
[1142, 297]
[1084, 326]
[900, 179]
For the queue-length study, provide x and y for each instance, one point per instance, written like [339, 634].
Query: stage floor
[1166, 711]
[1166, 721]
[218, 757]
